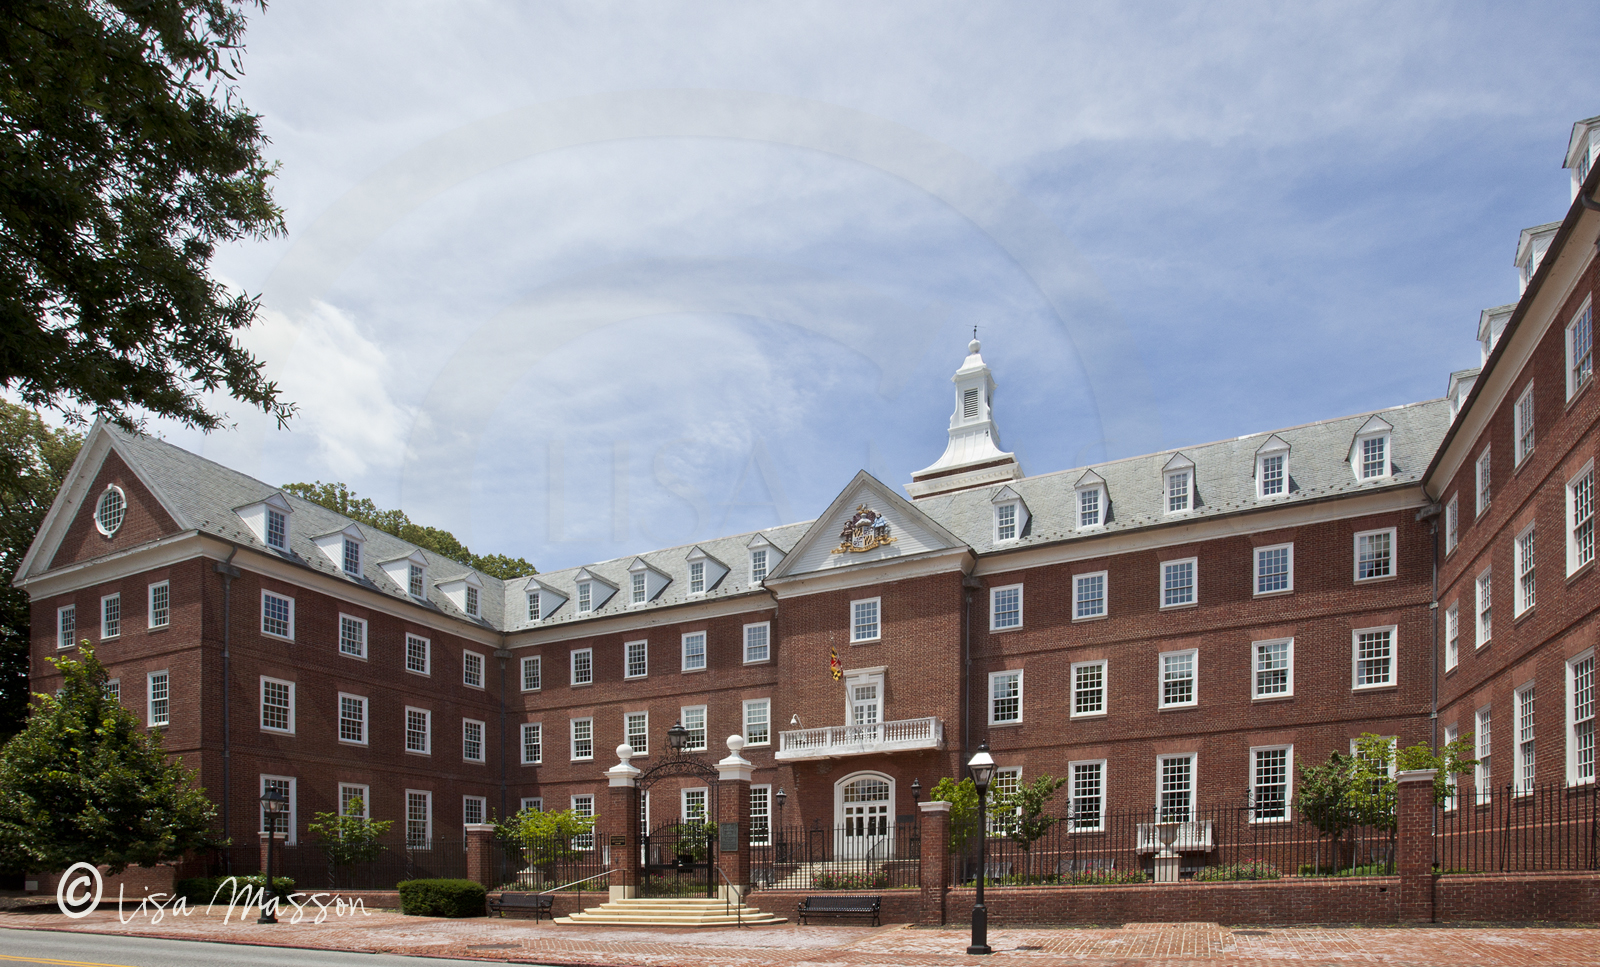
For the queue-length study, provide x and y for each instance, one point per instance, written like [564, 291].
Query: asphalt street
[95, 950]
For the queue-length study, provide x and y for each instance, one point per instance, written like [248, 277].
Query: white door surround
[863, 816]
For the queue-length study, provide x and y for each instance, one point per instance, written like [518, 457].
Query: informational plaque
[619, 841]
[728, 837]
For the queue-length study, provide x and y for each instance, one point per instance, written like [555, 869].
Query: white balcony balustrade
[833, 741]
[1193, 837]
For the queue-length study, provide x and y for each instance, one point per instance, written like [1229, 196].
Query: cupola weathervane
[864, 530]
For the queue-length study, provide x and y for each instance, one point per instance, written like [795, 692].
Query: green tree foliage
[547, 838]
[125, 158]
[341, 499]
[1020, 815]
[34, 460]
[963, 799]
[348, 840]
[83, 783]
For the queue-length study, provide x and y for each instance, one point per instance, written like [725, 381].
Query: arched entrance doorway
[863, 811]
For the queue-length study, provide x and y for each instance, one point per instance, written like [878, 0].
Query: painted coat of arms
[864, 530]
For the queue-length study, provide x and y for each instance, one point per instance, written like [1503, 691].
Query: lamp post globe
[273, 804]
[981, 766]
[677, 737]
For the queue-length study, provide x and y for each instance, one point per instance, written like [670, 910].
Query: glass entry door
[865, 827]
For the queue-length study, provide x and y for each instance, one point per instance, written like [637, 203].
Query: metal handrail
[738, 912]
[575, 883]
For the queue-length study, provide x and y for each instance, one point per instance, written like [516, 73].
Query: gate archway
[680, 858]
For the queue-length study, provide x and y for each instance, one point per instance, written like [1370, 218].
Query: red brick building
[1168, 631]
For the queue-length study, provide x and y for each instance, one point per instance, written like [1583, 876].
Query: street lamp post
[781, 797]
[677, 738]
[274, 804]
[982, 768]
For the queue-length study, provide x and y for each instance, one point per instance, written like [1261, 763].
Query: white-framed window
[419, 731]
[160, 604]
[583, 807]
[1175, 788]
[472, 600]
[1452, 636]
[865, 623]
[416, 580]
[1580, 719]
[638, 587]
[582, 666]
[158, 706]
[67, 626]
[277, 615]
[1524, 561]
[277, 705]
[1088, 688]
[111, 616]
[636, 659]
[1274, 667]
[535, 803]
[694, 651]
[1372, 657]
[532, 743]
[697, 577]
[1522, 703]
[1007, 780]
[108, 513]
[758, 721]
[1484, 474]
[532, 673]
[352, 718]
[352, 557]
[1091, 507]
[1178, 671]
[355, 800]
[1179, 582]
[114, 691]
[1274, 569]
[1375, 554]
[471, 740]
[1372, 456]
[760, 815]
[283, 822]
[1580, 350]
[1452, 523]
[585, 597]
[277, 530]
[419, 819]
[1180, 491]
[1087, 795]
[473, 809]
[1481, 773]
[352, 636]
[1451, 733]
[1005, 697]
[1005, 523]
[1270, 770]
[1089, 595]
[582, 731]
[471, 669]
[1272, 474]
[692, 803]
[693, 718]
[757, 642]
[1485, 610]
[419, 655]
[1522, 417]
[1005, 607]
[1580, 519]
[534, 606]
[636, 732]
[758, 565]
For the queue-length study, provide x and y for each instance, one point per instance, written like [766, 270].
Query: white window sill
[758, 661]
[1387, 686]
[268, 634]
[276, 731]
[1272, 698]
[1178, 707]
[352, 742]
[346, 654]
[1088, 715]
[865, 641]
[477, 688]
[159, 627]
[748, 744]
[583, 759]
[415, 752]
[110, 637]
[473, 762]
[1089, 617]
[1005, 725]
[530, 691]
[536, 762]
[413, 671]
[691, 671]
[998, 631]
[635, 678]
[580, 685]
[1179, 607]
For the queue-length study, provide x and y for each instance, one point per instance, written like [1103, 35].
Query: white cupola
[973, 457]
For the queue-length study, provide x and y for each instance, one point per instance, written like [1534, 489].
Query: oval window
[108, 515]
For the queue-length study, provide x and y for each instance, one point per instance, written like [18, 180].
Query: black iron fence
[861, 856]
[311, 869]
[1507, 829]
[551, 863]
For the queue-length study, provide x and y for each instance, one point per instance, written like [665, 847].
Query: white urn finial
[624, 752]
[735, 743]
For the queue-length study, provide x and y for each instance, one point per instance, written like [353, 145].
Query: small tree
[544, 839]
[82, 783]
[348, 840]
[1021, 817]
[963, 799]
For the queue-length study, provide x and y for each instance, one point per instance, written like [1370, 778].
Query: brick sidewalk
[1171, 945]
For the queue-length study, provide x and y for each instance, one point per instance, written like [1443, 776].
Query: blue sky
[575, 281]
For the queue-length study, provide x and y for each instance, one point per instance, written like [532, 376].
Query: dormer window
[1179, 487]
[585, 597]
[1371, 458]
[1005, 522]
[533, 606]
[472, 601]
[1010, 515]
[416, 580]
[758, 565]
[697, 577]
[1090, 513]
[352, 557]
[1272, 468]
[638, 590]
[277, 529]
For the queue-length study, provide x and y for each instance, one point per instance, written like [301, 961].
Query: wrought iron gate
[680, 860]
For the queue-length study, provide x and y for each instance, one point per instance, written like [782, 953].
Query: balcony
[831, 742]
[1193, 837]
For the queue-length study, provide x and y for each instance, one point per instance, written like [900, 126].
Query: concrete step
[670, 912]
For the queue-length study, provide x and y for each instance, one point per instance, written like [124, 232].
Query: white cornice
[1250, 522]
[940, 561]
[628, 622]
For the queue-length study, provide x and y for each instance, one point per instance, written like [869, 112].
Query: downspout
[1430, 513]
[503, 654]
[968, 584]
[228, 572]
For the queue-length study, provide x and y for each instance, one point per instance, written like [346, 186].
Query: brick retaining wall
[1565, 897]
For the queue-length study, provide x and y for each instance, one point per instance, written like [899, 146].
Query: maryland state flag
[833, 664]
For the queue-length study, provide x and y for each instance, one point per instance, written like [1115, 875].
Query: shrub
[849, 881]
[1370, 869]
[1098, 877]
[442, 898]
[199, 890]
[1249, 870]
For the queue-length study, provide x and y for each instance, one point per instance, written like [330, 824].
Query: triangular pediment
[1273, 444]
[868, 523]
[1376, 424]
[1178, 462]
[1089, 479]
